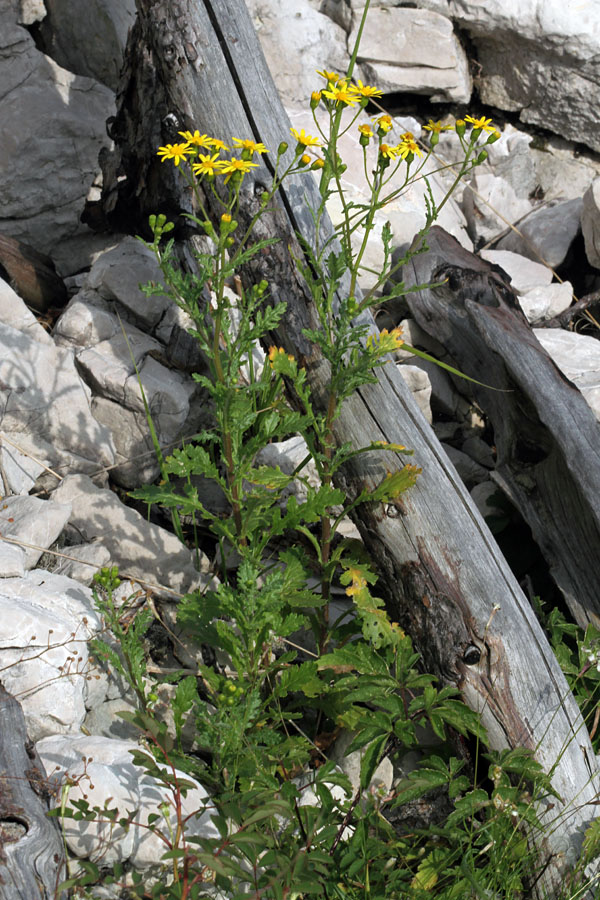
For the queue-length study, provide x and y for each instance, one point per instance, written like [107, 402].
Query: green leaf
[371, 759]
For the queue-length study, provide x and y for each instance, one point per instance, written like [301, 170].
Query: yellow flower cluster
[385, 342]
[211, 163]
[339, 91]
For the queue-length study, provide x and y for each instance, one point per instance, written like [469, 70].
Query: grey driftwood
[193, 64]
[546, 436]
[32, 855]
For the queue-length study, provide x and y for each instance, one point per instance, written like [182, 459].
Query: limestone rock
[20, 469]
[489, 202]
[541, 60]
[547, 233]
[525, 274]
[104, 773]
[90, 45]
[418, 383]
[590, 223]
[546, 301]
[412, 50]
[117, 274]
[297, 40]
[578, 358]
[45, 405]
[45, 621]
[13, 312]
[141, 549]
[51, 130]
[33, 521]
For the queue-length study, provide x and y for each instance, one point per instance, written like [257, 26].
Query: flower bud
[481, 158]
[317, 164]
[460, 127]
[315, 99]
[433, 139]
[304, 160]
[493, 137]
[282, 148]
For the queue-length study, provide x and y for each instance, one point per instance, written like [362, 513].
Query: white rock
[135, 456]
[45, 622]
[13, 312]
[20, 469]
[559, 174]
[547, 233]
[412, 50]
[418, 383]
[12, 560]
[297, 40]
[140, 549]
[525, 274]
[35, 522]
[117, 274]
[578, 358]
[86, 320]
[590, 223]
[51, 130]
[546, 301]
[489, 202]
[540, 59]
[512, 158]
[349, 763]
[45, 405]
[92, 44]
[105, 775]
[82, 561]
[31, 11]
[486, 497]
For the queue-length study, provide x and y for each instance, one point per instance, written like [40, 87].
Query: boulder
[45, 405]
[102, 772]
[35, 522]
[546, 301]
[490, 203]
[578, 358]
[524, 273]
[541, 60]
[297, 40]
[52, 126]
[414, 51]
[45, 622]
[141, 549]
[590, 223]
[90, 45]
[546, 233]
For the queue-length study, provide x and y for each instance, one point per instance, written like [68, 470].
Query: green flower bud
[460, 127]
[282, 148]
[493, 137]
[481, 158]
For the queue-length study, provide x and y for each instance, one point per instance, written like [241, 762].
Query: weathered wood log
[32, 274]
[546, 436]
[32, 855]
[442, 573]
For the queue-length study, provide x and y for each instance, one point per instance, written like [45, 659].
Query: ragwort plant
[265, 705]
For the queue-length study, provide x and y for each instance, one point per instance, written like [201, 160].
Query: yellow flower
[408, 146]
[388, 152]
[307, 140]
[249, 145]
[407, 136]
[330, 76]
[226, 217]
[366, 130]
[231, 167]
[176, 152]
[365, 90]
[341, 94]
[482, 124]
[386, 341]
[206, 165]
[218, 144]
[318, 163]
[200, 140]
[437, 127]
[384, 123]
